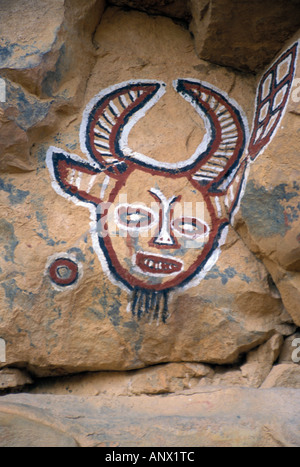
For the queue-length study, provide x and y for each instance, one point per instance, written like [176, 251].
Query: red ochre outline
[190, 87]
[64, 164]
[68, 263]
[148, 90]
[111, 255]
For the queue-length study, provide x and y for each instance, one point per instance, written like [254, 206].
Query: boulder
[210, 417]
[159, 379]
[46, 54]
[284, 375]
[21, 432]
[178, 9]
[13, 378]
[242, 35]
[289, 352]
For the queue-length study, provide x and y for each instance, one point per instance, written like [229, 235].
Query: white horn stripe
[124, 101]
[222, 111]
[206, 174]
[101, 144]
[114, 108]
[104, 125]
[213, 167]
[227, 121]
[229, 129]
[108, 117]
[100, 133]
[133, 95]
[219, 161]
[218, 206]
[202, 177]
[230, 139]
[212, 102]
[91, 183]
[71, 181]
[104, 153]
[78, 180]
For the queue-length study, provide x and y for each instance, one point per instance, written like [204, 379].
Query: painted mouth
[157, 264]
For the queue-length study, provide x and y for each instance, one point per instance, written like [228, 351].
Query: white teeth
[160, 265]
[151, 263]
[170, 267]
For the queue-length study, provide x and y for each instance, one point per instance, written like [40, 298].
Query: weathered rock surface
[18, 431]
[285, 375]
[270, 228]
[46, 55]
[174, 8]
[13, 378]
[290, 351]
[159, 379]
[88, 328]
[237, 327]
[242, 35]
[210, 417]
[253, 372]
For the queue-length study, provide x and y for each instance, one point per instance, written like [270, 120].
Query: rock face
[243, 35]
[63, 311]
[13, 378]
[213, 417]
[149, 203]
[179, 9]
[39, 60]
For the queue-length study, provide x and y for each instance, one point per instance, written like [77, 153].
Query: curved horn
[77, 179]
[219, 155]
[111, 115]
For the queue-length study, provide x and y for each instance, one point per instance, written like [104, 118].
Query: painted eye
[134, 217]
[190, 227]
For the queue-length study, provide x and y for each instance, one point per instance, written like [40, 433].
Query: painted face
[157, 231]
[160, 224]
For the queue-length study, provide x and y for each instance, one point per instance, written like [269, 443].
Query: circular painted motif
[64, 272]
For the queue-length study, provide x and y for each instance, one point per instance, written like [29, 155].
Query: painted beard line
[150, 303]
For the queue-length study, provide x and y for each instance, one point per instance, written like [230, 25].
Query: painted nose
[165, 237]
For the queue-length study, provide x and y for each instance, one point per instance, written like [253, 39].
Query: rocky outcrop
[46, 55]
[242, 35]
[212, 417]
[96, 103]
[179, 9]
[87, 328]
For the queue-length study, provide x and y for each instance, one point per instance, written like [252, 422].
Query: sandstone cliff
[222, 307]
